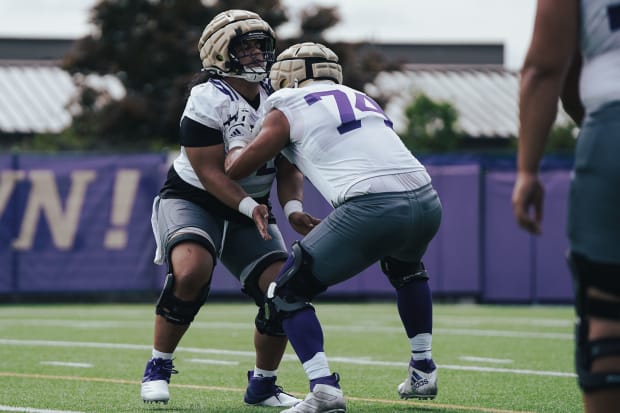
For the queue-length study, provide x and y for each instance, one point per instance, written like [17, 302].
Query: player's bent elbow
[230, 159]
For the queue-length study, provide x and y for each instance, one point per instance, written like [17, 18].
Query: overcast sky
[418, 21]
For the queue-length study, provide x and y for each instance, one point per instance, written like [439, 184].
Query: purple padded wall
[453, 256]
[552, 275]
[508, 250]
[521, 267]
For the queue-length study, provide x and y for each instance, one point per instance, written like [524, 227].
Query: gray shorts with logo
[594, 199]
[238, 246]
[367, 228]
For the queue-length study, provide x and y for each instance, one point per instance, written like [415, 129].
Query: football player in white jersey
[201, 215]
[386, 211]
[574, 56]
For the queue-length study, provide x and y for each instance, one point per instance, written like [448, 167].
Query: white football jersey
[216, 104]
[340, 137]
[600, 47]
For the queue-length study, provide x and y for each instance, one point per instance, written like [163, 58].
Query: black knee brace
[587, 274]
[298, 279]
[175, 310]
[251, 288]
[294, 288]
[401, 273]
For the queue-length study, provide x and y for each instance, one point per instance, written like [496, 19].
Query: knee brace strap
[587, 351]
[588, 381]
[250, 285]
[401, 273]
[293, 289]
[175, 310]
[297, 277]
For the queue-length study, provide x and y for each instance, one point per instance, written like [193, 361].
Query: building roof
[36, 96]
[485, 96]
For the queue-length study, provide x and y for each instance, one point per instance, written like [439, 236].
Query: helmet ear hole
[304, 63]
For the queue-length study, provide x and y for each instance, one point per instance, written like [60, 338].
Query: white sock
[317, 366]
[159, 355]
[264, 373]
[421, 346]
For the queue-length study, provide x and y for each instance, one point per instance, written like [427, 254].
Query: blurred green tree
[151, 46]
[431, 126]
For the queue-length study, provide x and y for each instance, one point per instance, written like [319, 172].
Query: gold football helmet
[303, 63]
[238, 43]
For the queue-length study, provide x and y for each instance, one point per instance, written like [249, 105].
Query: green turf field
[90, 358]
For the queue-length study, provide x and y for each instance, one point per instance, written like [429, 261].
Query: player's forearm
[223, 188]
[538, 103]
[290, 183]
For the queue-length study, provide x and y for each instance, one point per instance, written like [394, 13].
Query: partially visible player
[385, 210]
[200, 215]
[574, 56]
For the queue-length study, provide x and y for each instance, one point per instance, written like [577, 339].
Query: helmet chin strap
[253, 77]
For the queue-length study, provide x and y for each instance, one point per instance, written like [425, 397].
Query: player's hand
[260, 215]
[303, 222]
[528, 194]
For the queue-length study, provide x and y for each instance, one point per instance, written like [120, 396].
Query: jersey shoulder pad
[210, 103]
[280, 98]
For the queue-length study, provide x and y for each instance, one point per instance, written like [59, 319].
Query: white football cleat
[418, 385]
[322, 399]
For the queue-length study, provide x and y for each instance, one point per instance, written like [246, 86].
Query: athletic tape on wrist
[246, 206]
[292, 206]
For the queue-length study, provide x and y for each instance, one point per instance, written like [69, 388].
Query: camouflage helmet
[229, 29]
[304, 63]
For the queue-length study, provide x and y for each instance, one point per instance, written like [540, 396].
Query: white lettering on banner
[44, 198]
[7, 184]
[125, 189]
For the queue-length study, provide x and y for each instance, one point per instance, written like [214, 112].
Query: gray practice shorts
[367, 228]
[594, 200]
[239, 246]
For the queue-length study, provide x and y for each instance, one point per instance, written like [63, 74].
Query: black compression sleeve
[194, 134]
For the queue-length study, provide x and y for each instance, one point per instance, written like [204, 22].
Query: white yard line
[486, 360]
[211, 361]
[287, 357]
[67, 364]
[32, 410]
[103, 324]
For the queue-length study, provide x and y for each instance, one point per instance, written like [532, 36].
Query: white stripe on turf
[289, 357]
[486, 360]
[67, 364]
[32, 410]
[211, 361]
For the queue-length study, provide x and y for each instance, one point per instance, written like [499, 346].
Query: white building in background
[37, 96]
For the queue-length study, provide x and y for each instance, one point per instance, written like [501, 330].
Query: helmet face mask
[252, 54]
[304, 63]
[238, 43]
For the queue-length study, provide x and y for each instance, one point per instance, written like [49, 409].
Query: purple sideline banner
[79, 223]
[7, 225]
